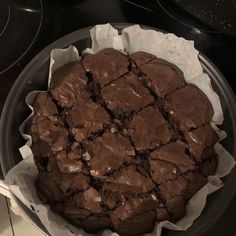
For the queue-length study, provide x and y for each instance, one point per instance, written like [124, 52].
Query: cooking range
[26, 27]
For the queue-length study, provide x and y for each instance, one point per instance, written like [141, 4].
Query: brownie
[149, 129]
[136, 216]
[131, 178]
[106, 66]
[141, 58]
[209, 165]
[170, 161]
[199, 109]
[67, 165]
[126, 95]
[51, 132]
[200, 141]
[121, 142]
[108, 152]
[84, 210]
[68, 84]
[162, 76]
[44, 105]
[86, 118]
[55, 186]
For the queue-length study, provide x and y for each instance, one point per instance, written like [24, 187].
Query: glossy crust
[149, 129]
[189, 107]
[124, 147]
[106, 66]
[68, 84]
[162, 76]
[126, 95]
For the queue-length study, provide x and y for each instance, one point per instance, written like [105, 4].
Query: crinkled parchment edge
[178, 51]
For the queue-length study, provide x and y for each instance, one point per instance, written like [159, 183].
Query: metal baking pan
[34, 77]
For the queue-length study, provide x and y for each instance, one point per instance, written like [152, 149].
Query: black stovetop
[27, 26]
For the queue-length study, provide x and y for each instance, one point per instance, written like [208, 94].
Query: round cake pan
[34, 77]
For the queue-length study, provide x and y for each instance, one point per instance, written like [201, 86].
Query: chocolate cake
[121, 142]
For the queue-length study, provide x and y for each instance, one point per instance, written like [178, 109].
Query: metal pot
[34, 77]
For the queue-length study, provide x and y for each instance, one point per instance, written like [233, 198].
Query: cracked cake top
[121, 142]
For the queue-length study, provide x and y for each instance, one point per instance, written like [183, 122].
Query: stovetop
[207, 15]
[27, 26]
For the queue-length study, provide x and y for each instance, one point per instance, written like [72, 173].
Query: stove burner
[20, 23]
[182, 16]
[207, 16]
[5, 13]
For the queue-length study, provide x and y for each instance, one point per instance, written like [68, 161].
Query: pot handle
[4, 189]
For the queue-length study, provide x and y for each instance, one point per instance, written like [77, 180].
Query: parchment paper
[177, 50]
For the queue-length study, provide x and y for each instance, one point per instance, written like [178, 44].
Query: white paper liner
[180, 52]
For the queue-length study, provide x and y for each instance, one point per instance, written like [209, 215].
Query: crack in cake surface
[129, 149]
